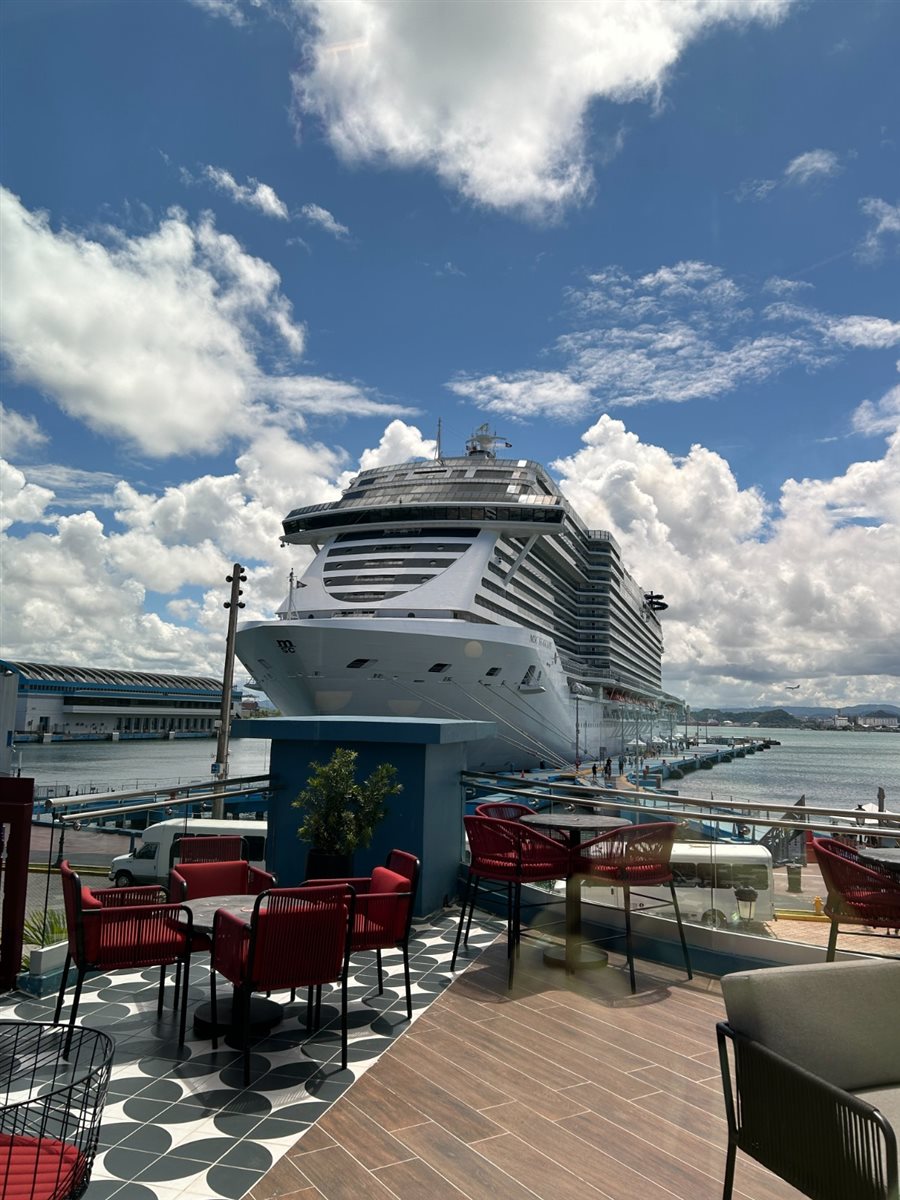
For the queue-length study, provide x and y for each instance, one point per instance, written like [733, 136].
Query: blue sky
[250, 245]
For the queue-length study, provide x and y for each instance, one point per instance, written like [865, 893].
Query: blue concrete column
[425, 819]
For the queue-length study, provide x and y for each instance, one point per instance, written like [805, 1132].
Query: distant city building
[878, 721]
[66, 703]
[841, 722]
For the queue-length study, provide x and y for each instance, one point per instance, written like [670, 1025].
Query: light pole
[220, 766]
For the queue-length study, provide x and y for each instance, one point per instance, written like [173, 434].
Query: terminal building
[62, 703]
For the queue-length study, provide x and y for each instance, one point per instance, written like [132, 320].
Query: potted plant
[340, 813]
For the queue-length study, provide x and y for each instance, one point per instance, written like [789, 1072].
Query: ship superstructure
[465, 587]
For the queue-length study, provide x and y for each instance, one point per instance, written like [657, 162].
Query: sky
[249, 246]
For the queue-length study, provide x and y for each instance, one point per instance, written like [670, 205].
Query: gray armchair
[810, 1059]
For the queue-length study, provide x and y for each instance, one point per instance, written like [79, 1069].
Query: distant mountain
[732, 712]
[766, 718]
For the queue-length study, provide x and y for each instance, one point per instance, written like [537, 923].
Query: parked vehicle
[706, 875]
[153, 861]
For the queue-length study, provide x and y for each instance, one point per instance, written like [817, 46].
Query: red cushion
[38, 1168]
[384, 880]
[214, 879]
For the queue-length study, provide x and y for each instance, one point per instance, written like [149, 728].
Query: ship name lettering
[285, 645]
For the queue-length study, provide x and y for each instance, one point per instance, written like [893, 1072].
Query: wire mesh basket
[50, 1108]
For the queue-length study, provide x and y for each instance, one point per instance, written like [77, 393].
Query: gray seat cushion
[839, 1020]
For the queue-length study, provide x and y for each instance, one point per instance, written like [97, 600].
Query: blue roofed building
[68, 703]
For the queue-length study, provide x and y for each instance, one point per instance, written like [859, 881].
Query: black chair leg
[476, 883]
[684, 945]
[162, 990]
[343, 1020]
[213, 1012]
[184, 995]
[62, 988]
[406, 978]
[832, 941]
[627, 890]
[75, 1001]
[318, 1006]
[380, 973]
[177, 984]
[462, 920]
[242, 1005]
[309, 1009]
[729, 1170]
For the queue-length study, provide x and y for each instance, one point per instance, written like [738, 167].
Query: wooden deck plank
[462, 1165]
[415, 1179]
[526, 1164]
[338, 1176]
[372, 1145]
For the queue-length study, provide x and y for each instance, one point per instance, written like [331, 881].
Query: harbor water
[127, 766]
[832, 768]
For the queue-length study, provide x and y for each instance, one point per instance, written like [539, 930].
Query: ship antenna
[291, 592]
[437, 451]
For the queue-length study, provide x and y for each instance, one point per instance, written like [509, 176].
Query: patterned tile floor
[180, 1123]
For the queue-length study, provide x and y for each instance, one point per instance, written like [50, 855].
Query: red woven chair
[503, 810]
[859, 892]
[118, 928]
[384, 911]
[225, 848]
[193, 881]
[511, 853]
[297, 937]
[633, 856]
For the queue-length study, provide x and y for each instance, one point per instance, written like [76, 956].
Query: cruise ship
[467, 587]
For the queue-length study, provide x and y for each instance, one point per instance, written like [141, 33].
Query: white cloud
[317, 215]
[779, 286]
[95, 590]
[814, 164]
[672, 335]
[756, 595]
[17, 431]
[883, 417]
[399, 443]
[231, 10]
[251, 194]
[885, 226]
[160, 340]
[526, 393]
[73, 486]
[805, 168]
[493, 97]
[754, 189]
[675, 334]
[20, 500]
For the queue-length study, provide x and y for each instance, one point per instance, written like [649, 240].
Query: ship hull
[429, 668]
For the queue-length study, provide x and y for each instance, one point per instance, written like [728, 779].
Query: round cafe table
[887, 857]
[575, 955]
[264, 1013]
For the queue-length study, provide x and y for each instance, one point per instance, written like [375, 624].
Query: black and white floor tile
[180, 1123]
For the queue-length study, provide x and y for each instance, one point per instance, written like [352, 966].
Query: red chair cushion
[38, 1168]
[384, 880]
[213, 879]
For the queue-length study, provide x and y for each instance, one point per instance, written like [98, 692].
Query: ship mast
[483, 443]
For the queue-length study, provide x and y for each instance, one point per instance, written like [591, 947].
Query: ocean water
[832, 768]
[126, 766]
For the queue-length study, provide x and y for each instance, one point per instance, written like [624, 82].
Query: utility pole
[220, 766]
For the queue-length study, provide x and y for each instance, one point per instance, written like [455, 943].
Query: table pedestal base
[264, 1015]
[581, 958]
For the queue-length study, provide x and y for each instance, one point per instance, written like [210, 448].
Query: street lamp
[746, 898]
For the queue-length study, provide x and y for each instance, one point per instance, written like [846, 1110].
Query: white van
[151, 864]
[705, 875]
